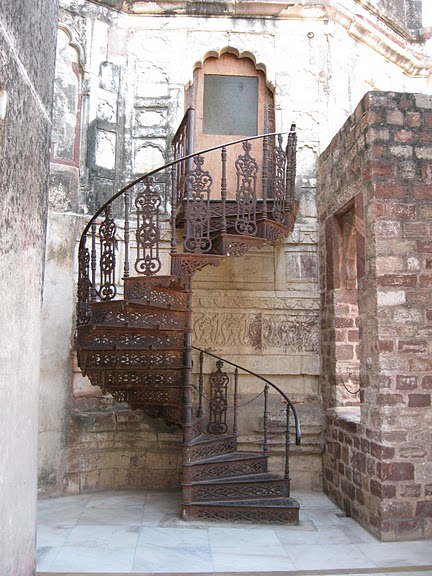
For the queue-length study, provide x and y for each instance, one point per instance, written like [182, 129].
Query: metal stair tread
[204, 438]
[281, 502]
[258, 477]
[230, 457]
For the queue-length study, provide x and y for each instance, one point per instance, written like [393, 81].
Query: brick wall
[378, 461]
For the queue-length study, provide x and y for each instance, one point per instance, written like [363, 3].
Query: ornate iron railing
[221, 395]
[208, 206]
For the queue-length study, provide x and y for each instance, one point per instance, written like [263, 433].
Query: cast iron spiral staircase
[134, 322]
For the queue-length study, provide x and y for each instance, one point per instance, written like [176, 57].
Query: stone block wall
[377, 464]
[115, 448]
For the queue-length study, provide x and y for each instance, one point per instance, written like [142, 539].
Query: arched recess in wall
[66, 131]
[231, 98]
[3, 103]
[66, 137]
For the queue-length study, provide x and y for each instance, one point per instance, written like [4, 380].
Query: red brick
[410, 491]
[383, 168]
[424, 509]
[412, 346]
[405, 136]
[396, 471]
[427, 117]
[382, 490]
[344, 352]
[425, 280]
[402, 211]
[390, 399]
[422, 191]
[408, 280]
[419, 400]
[397, 509]
[424, 246]
[427, 382]
[411, 229]
[395, 117]
[385, 345]
[406, 382]
[382, 452]
[340, 322]
[413, 119]
[391, 190]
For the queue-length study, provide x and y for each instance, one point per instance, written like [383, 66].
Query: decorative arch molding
[75, 44]
[218, 53]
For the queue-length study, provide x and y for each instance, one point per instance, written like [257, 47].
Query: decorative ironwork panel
[282, 516]
[147, 203]
[198, 187]
[279, 195]
[229, 469]
[218, 404]
[242, 491]
[291, 165]
[137, 359]
[117, 379]
[246, 170]
[135, 318]
[107, 261]
[156, 296]
[226, 446]
[131, 340]
[83, 309]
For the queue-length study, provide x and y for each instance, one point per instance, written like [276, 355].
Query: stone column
[27, 52]
[377, 464]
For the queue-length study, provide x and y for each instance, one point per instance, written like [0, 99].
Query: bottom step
[269, 511]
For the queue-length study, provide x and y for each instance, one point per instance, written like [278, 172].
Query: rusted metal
[247, 169]
[135, 340]
[198, 189]
[218, 403]
[147, 203]
[107, 262]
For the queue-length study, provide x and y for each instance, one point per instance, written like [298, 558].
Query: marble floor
[141, 532]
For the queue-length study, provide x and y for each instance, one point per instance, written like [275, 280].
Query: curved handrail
[285, 397]
[169, 165]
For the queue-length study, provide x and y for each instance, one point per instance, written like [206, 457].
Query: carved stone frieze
[291, 333]
[227, 301]
[296, 333]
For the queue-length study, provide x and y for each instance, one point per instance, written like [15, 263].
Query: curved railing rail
[217, 393]
[192, 197]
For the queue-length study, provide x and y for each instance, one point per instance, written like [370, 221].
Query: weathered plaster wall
[377, 462]
[133, 71]
[27, 38]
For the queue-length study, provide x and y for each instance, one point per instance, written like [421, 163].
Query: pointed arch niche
[231, 99]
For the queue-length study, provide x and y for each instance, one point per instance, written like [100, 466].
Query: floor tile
[332, 535]
[157, 559]
[93, 559]
[51, 535]
[252, 558]
[319, 557]
[117, 499]
[173, 537]
[104, 536]
[45, 556]
[120, 516]
[242, 537]
[399, 553]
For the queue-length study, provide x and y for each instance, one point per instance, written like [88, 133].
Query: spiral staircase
[134, 323]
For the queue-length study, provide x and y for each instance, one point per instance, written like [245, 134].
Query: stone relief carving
[297, 333]
[292, 333]
[245, 302]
